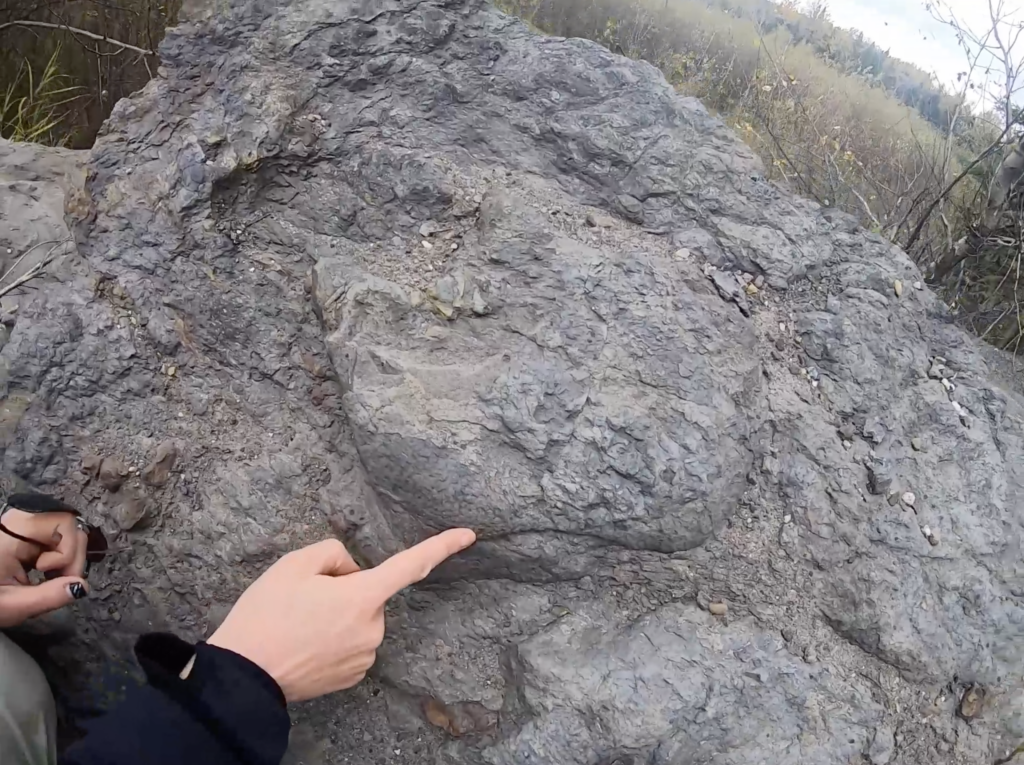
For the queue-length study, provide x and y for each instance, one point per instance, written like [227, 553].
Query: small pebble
[950, 387]
[894, 499]
[427, 245]
[847, 445]
[718, 609]
[897, 287]
[787, 518]
[917, 444]
[782, 326]
[933, 540]
[972, 702]
[918, 286]
[908, 498]
[751, 289]
[759, 282]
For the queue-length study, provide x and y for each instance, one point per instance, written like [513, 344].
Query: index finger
[413, 565]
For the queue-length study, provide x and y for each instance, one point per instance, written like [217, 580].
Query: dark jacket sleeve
[227, 712]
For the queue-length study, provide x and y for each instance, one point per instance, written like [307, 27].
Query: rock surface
[338, 255]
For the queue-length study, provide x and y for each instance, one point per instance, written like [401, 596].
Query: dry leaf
[437, 715]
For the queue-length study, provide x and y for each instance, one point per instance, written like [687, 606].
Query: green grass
[35, 104]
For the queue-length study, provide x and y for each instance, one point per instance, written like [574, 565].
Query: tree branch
[76, 30]
[952, 184]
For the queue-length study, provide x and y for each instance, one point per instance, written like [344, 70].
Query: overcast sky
[910, 32]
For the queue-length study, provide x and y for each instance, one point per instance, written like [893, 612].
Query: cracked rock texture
[336, 260]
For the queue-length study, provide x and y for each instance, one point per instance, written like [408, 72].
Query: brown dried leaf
[437, 715]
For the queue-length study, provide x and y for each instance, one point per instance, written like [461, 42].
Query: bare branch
[35, 271]
[77, 31]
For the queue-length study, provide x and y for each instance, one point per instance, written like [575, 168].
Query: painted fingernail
[77, 590]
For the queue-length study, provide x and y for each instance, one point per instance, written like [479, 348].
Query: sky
[910, 32]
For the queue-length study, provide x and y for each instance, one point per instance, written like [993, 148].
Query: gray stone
[596, 417]
[630, 207]
[883, 744]
[880, 476]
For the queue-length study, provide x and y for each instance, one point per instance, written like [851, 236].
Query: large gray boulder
[377, 269]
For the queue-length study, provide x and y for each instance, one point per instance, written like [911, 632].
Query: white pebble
[908, 498]
[782, 326]
[787, 518]
[918, 286]
[950, 387]
[427, 245]
[926, 530]
[956, 405]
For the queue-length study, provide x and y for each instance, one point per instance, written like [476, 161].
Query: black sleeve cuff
[239, 703]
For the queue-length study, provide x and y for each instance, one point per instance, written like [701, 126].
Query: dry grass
[35, 104]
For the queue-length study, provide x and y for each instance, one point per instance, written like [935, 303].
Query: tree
[818, 10]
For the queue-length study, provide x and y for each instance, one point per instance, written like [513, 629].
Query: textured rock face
[380, 269]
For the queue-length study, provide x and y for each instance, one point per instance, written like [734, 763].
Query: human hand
[313, 621]
[57, 546]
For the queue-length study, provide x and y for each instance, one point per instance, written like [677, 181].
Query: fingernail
[77, 590]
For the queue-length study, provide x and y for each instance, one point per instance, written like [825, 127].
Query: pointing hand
[313, 621]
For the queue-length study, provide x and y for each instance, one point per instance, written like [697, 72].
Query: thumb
[18, 603]
[329, 558]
